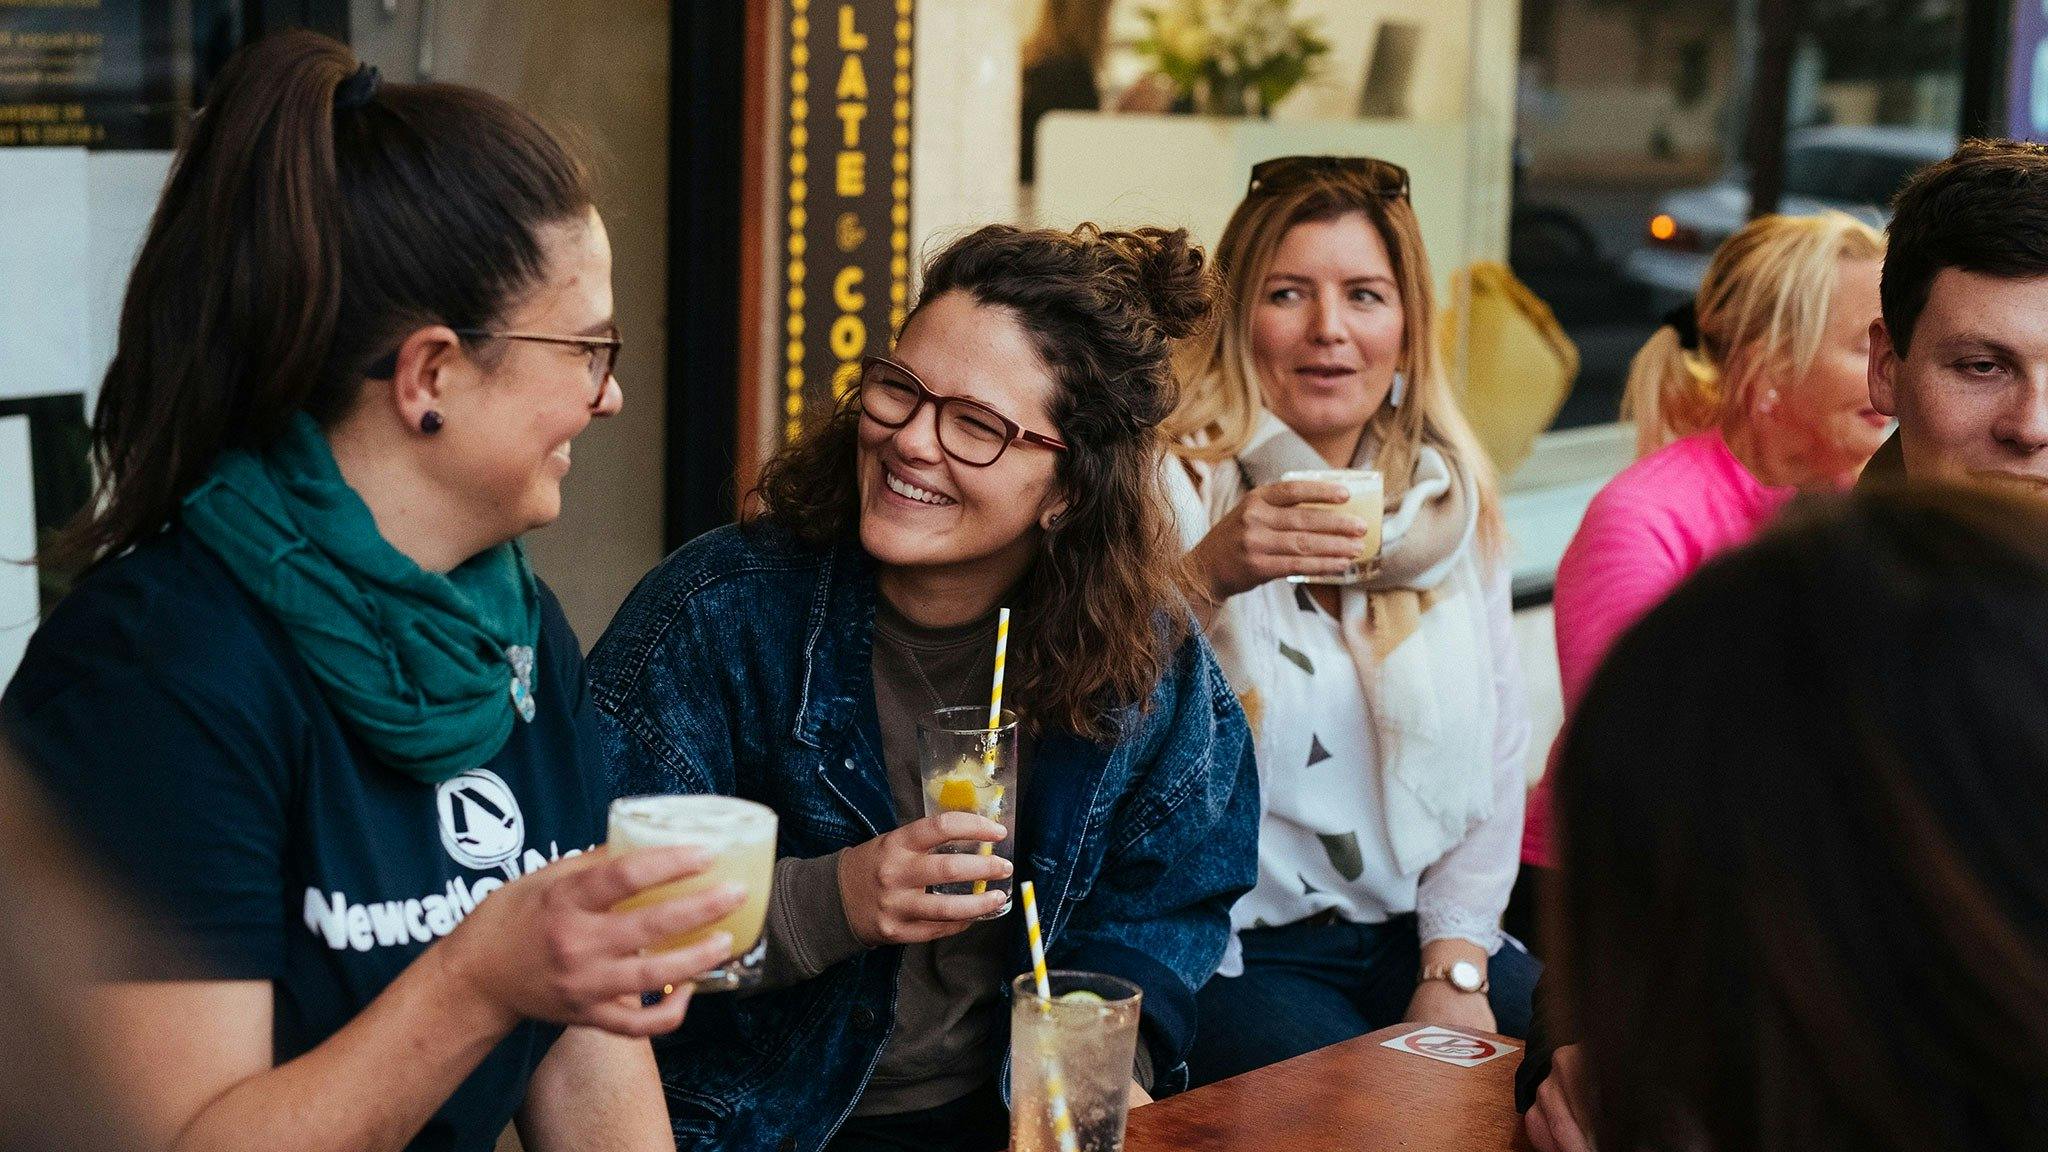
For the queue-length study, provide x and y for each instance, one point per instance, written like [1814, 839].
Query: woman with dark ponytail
[311, 703]
[1001, 456]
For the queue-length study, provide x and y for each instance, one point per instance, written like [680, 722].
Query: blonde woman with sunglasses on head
[1388, 714]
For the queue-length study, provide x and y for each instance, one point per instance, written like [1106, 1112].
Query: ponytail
[1762, 311]
[295, 244]
[1672, 391]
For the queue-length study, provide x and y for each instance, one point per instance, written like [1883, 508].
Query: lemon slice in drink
[957, 794]
[1080, 996]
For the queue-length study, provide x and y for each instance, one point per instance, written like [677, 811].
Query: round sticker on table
[1444, 1045]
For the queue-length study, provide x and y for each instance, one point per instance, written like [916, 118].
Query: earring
[1770, 400]
[431, 422]
[1400, 390]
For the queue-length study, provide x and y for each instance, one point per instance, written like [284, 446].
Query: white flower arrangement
[1232, 57]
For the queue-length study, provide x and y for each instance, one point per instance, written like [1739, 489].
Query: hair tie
[1685, 320]
[356, 91]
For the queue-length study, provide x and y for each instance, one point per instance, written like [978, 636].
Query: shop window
[1629, 165]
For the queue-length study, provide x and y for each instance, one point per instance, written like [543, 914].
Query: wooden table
[1357, 1096]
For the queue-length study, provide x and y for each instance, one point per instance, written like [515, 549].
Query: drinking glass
[1367, 489]
[966, 767]
[740, 835]
[1088, 1033]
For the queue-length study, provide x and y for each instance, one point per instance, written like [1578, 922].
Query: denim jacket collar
[836, 660]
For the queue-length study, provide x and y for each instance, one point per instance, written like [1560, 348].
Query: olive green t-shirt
[949, 1030]
[948, 1034]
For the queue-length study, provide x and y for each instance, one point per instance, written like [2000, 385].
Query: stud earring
[1400, 390]
[431, 422]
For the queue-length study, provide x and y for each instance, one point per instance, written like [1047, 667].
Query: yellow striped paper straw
[995, 692]
[995, 721]
[1055, 1086]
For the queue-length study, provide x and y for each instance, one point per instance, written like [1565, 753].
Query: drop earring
[1399, 391]
[431, 422]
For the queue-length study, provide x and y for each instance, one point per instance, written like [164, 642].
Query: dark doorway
[706, 147]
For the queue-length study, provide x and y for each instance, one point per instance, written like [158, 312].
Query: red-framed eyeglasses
[969, 431]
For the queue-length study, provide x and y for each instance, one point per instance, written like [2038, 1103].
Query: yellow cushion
[1517, 363]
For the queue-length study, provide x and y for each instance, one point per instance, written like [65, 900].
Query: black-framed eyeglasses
[969, 431]
[1383, 177]
[602, 350]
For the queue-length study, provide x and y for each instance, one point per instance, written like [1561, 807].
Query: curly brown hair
[1107, 599]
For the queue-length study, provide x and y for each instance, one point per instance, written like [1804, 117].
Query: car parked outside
[1852, 168]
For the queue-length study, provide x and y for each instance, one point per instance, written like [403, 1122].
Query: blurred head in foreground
[1805, 805]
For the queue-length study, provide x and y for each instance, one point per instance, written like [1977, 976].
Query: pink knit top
[1655, 522]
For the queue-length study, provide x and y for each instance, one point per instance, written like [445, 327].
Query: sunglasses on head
[1278, 175]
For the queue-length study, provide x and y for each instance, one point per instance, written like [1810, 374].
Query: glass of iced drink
[1367, 489]
[740, 835]
[1088, 1031]
[966, 767]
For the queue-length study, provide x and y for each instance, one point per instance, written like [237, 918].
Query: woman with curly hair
[1001, 456]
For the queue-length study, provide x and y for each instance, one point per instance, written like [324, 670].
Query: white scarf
[1422, 654]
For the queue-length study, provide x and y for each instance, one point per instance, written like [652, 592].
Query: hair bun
[1170, 279]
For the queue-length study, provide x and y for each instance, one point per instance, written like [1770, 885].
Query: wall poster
[840, 184]
[91, 73]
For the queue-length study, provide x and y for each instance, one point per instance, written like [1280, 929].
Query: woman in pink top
[1758, 395]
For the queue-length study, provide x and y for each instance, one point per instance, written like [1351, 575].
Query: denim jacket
[741, 665]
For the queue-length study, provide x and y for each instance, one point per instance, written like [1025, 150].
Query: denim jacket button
[788, 1144]
[863, 1017]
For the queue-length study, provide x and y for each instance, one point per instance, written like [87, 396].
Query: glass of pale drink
[740, 835]
[1088, 1032]
[967, 767]
[1366, 500]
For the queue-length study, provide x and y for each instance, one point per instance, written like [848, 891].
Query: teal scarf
[428, 670]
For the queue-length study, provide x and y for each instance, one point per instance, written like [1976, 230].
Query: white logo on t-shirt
[482, 828]
[480, 822]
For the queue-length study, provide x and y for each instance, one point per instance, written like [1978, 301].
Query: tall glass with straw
[968, 762]
[1073, 1038]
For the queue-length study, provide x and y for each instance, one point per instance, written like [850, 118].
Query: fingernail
[731, 891]
[720, 942]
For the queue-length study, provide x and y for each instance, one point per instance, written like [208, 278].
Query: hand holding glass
[1366, 501]
[966, 767]
[740, 834]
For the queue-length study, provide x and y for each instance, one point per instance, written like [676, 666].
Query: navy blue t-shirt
[194, 751]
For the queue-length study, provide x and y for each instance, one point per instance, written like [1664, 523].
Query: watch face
[1465, 976]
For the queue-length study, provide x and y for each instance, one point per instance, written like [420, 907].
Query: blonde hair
[1762, 311]
[1220, 400]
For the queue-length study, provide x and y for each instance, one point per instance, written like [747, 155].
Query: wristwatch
[1463, 975]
